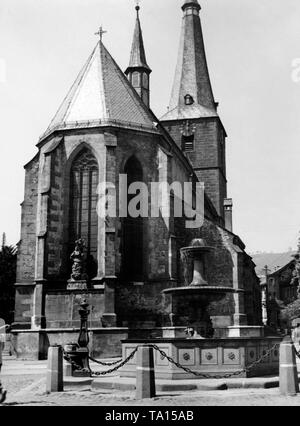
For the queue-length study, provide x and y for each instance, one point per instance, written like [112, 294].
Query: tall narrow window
[132, 241]
[83, 203]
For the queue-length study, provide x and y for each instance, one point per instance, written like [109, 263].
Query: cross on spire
[100, 33]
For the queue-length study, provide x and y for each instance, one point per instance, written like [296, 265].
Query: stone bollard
[288, 376]
[55, 380]
[145, 377]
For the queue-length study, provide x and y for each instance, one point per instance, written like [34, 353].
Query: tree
[291, 312]
[8, 263]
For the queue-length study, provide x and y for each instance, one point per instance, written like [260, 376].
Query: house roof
[101, 95]
[274, 261]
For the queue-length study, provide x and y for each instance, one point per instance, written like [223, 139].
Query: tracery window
[83, 202]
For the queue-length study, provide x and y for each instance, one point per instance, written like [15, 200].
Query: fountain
[193, 300]
[191, 340]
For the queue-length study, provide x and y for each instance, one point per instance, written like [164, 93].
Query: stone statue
[78, 261]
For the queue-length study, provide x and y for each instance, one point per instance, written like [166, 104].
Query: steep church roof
[138, 55]
[101, 95]
[191, 76]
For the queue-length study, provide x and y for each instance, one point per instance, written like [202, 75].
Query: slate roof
[101, 95]
[138, 55]
[191, 76]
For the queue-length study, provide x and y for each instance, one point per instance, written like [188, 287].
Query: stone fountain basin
[194, 251]
[217, 290]
[210, 357]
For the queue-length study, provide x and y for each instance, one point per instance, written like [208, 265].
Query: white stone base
[245, 331]
[173, 332]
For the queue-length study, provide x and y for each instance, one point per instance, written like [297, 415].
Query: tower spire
[138, 71]
[192, 118]
[192, 84]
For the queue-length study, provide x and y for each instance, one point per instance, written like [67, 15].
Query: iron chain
[172, 361]
[108, 364]
[296, 352]
[112, 370]
[73, 363]
[209, 376]
[101, 373]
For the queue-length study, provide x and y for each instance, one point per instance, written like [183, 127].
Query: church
[105, 129]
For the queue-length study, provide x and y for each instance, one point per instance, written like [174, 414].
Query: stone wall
[208, 157]
[55, 228]
[163, 237]
[26, 249]
[62, 308]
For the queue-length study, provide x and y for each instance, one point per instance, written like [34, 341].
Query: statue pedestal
[77, 285]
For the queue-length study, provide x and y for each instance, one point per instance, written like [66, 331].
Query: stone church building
[105, 128]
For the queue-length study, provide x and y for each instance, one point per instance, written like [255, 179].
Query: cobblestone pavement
[33, 394]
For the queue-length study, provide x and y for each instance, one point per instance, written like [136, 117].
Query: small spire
[138, 71]
[138, 56]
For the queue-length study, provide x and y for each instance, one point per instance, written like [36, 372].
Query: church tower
[192, 118]
[138, 71]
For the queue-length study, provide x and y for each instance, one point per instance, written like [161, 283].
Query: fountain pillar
[198, 277]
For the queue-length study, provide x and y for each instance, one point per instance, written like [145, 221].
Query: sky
[250, 45]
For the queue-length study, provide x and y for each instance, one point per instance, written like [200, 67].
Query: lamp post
[265, 298]
[80, 354]
[83, 341]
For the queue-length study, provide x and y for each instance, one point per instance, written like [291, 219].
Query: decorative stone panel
[251, 354]
[209, 357]
[263, 350]
[186, 357]
[231, 356]
[160, 360]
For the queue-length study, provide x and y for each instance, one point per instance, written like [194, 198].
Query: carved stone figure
[78, 261]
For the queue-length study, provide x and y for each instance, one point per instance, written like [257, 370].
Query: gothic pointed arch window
[133, 230]
[83, 221]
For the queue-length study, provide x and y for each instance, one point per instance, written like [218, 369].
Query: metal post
[83, 341]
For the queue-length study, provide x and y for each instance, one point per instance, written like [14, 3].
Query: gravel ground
[30, 391]
[14, 384]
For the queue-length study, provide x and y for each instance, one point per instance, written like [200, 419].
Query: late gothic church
[104, 128]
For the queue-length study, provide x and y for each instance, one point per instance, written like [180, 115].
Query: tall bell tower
[192, 118]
